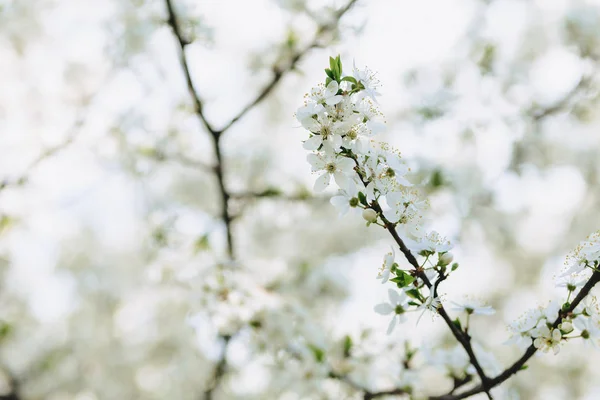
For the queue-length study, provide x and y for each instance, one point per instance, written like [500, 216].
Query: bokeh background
[111, 225]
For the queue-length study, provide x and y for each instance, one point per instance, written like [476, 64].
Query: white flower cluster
[342, 118]
[549, 327]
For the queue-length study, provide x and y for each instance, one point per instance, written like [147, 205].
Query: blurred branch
[216, 135]
[539, 113]
[13, 394]
[181, 159]
[52, 151]
[44, 155]
[277, 195]
[279, 72]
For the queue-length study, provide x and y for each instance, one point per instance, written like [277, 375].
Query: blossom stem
[531, 350]
[462, 337]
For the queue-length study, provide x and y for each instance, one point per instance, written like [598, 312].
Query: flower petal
[322, 182]
[341, 180]
[313, 143]
[383, 309]
[315, 161]
[394, 297]
[392, 324]
[331, 101]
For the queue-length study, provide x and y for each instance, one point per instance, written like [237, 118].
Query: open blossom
[345, 199]
[431, 243]
[521, 329]
[369, 81]
[398, 305]
[589, 328]
[341, 168]
[547, 339]
[328, 95]
[587, 253]
[431, 303]
[473, 306]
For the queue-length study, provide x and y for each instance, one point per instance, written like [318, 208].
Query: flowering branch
[461, 336]
[342, 117]
[531, 350]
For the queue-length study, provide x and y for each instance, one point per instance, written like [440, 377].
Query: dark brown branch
[462, 337]
[531, 350]
[183, 42]
[220, 370]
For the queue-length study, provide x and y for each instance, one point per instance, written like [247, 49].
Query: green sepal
[362, 198]
[413, 293]
[457, 323]
[347, 346]
[318, 353]
[349, 79]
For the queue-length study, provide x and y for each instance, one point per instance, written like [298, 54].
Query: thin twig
[463, 338]
[217, 134]
[531, 350]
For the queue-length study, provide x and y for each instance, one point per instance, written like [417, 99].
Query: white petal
[385, 275]
[313, 143]
[311, 124]
[331, 101]
[383, 309]
[487, 310]
[394, 297]
[315, 161]
[322, 182]
[345, 165]
[392, 324]
[331, 89]
[375, 126]
[341, 180]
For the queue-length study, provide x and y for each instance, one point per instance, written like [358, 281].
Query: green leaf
[202, 244]
[330, 73]
[328, 81]
[349, 79]
[318, 353]
[362, 198]
[339, 65]
[523, 367]
[437, 179]
[454, 266]
[332, 64]
[413, 293]
[347, 346]
[402, 279]
[5, 329]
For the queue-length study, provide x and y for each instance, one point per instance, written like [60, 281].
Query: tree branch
[531, 350]
[462, 337]
[216, 135]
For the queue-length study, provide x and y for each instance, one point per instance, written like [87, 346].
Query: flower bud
[445, 259]
[566, 327]
[369, 215]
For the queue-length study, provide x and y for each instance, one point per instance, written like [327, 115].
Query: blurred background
[147, 253]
